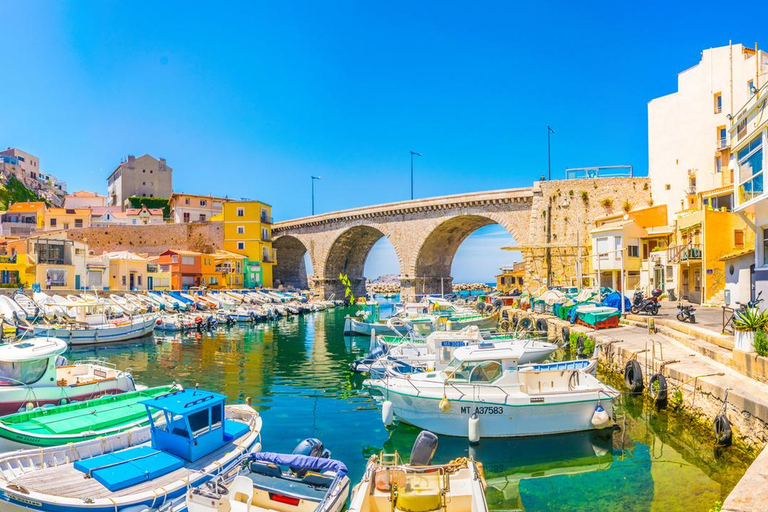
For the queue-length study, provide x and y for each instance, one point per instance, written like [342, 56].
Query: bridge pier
[332, 287]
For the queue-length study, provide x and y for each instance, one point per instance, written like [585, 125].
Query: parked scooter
[686, 313]
[754, 303]
[640, 304]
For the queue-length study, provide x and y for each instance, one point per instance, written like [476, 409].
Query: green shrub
[761, 343]
[606, 202]
[585, 196]
[152, 202]
[14, 191]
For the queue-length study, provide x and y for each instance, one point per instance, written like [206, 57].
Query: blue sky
[249, 99]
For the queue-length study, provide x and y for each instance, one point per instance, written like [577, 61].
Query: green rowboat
[78, 421]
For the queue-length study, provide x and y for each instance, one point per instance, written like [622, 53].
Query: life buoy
[633, 376]
[198, 319]
[504, 325]
[723, 432]
[657, 388]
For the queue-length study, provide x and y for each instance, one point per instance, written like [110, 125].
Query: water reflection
[297, 371]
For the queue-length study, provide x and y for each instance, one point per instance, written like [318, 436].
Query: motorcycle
[686, 313]
[754, 303]
[640, 304]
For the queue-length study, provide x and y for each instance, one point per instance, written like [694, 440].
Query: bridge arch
[290, 269]
[431, 269]
[347, 255]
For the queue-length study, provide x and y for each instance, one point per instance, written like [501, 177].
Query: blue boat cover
[613, 300]
[126, 468]
[300, 461]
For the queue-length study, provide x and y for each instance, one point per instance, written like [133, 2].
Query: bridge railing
[606, 171]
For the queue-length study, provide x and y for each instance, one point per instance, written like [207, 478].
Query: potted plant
[745, 323]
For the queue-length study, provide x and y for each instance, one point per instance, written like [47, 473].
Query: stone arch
[290, 269]
[432, 266]
[347, 255]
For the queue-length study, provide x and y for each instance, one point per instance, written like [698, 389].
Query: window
[718, 165]
[138, 280]
[738, 238]
[122, 279]
[722, 137]
[265, 234]
[241, 212]
[697, 280]
[633, 251]
[25, 372]
[750, 88]
[475, 371]
[57, 276]
[53, 223]
[202, 217]
[187, 260]
[602, 248]
[240, 230]
[765, 246]
[750, 161]
[718, 103]
[186, 217]
[240, 246]
[186, 201]
[203, 202]
[78, 223]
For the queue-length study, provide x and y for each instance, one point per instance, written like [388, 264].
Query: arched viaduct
[426, 233]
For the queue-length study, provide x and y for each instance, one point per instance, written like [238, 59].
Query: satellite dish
[626, 216]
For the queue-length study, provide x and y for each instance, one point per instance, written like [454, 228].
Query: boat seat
[241, 492]
[266, 469]
[421, 493]
[318, 480]
[234, 429]
[386, 477]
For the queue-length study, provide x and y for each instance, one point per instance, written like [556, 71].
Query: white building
[84, 199]
[749, 138]
[186, 208]
[688, 138]
[144, 176]
[115, 216]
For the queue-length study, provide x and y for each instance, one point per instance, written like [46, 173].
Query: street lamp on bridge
[412, 154]
[313, 191]
[550, 131]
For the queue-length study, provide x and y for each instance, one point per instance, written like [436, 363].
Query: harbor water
[297, 372]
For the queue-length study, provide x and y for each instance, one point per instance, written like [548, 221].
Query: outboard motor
[312, 447]
[423, 449]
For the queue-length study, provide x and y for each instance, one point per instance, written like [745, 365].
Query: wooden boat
[420, 486]
[197, 439]
[33, 373]
[122, 329]
[306, 480]
[77, 421]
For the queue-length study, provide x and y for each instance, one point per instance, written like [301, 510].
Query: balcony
[722, 143]
[685, 252]
[267, 220]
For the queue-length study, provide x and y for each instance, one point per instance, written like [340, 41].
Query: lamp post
[550, 131]
[412, 154]
[313, 191]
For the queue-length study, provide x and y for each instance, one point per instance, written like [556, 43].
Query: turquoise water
[297, 372]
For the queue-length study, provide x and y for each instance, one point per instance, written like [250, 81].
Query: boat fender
[474, 428]
[541, 325]
[580, 346]
[565, 332]
[658, 391]
[515, 320]
[198, 319]
[600, 418]
[29, 406]
[498, 304]
[504, 325]
[480, 306]
[387, 415]
[444, 405]
[526, 323]
[159, 322]
[723, 432]
[633, 376]
[489, 308]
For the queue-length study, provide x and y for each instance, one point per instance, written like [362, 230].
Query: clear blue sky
[250, 99]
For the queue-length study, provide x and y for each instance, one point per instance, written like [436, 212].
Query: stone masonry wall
[202, 237]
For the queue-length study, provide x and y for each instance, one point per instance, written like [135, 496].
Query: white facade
[738, 279]
[688, 141]
[84, 199]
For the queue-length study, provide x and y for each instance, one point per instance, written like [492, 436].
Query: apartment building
[187, 208]
[84, 199]
[144, 176]
[66, 218]
[22, 219]
[248, 231]
[689, 147]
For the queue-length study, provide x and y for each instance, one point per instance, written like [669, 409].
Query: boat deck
[67, 482]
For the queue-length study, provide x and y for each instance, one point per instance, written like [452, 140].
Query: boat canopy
[32, 349]
[300, 461]
[487, 350]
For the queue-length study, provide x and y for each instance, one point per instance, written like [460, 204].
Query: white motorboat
[33, 374]
[121, 329]
[197, 438]
[31, 309]
[483, 393]
[393, 486]
[436, 350]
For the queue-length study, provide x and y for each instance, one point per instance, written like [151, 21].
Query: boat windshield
[477, 372]
[22, 372]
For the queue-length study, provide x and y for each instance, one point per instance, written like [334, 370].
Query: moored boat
[33, 373]
[197, 439]
[77, 421]
[391, 485]
[121, 329]
[483, 393]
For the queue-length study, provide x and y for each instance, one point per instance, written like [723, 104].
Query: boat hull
[99, 334]
[497, 419]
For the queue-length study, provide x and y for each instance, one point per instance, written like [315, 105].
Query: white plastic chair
[241, 491]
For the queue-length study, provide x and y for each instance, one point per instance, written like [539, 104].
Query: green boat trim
[80, 421]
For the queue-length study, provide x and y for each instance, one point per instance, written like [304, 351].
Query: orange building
[190, 269]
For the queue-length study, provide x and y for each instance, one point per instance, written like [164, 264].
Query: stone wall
[201, 237]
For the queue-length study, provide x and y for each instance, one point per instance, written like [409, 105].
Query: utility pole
[412, 154]
[313, 191]
[549, 242]
[550, 131]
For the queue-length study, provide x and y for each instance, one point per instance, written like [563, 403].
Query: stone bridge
[425, 234]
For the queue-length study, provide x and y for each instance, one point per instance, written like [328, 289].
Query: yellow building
[230, 265]
[127, 271]
[22, 219]
[248, 231]
[158, 276]
[52, 261]
[67, 218]
[511, 278]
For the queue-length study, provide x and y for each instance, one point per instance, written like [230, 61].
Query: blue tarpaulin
[574, 311]
[300, 461]
[613, 300]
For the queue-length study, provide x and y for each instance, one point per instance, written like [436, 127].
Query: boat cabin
[30, 362]
[192, 424]
[484, 363]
